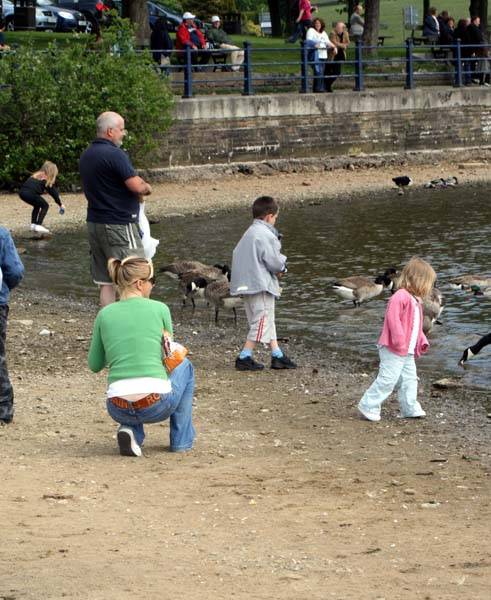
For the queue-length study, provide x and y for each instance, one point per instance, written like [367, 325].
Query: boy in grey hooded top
[256, 265]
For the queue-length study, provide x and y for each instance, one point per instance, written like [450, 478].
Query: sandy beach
[287, 494]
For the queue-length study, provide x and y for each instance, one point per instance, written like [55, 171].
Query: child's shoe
[247, 364]
[419, 413]
[369, 415]
[282, 363]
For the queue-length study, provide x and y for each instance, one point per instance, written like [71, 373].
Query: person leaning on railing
[218, 38]
[317, 41]
[340, 39]
[188, 34]
[431, 25]
[476, 48]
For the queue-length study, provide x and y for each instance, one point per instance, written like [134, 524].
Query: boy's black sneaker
[282, 363]
[247, 364]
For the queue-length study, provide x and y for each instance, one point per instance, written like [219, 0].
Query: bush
[251, 28]
[52, 98]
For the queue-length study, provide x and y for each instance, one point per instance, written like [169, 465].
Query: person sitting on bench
[189, 34]
[219, 39]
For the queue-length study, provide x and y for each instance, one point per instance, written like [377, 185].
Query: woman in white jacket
[318, 42]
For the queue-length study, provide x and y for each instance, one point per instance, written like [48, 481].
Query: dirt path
[287, 494]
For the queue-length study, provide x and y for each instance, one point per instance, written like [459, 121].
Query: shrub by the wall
[49, 101]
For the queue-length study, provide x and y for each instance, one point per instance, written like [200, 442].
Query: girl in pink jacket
[401, 341]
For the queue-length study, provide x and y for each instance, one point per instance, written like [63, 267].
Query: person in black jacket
[160, 42]
[474, 40]
[32, 190]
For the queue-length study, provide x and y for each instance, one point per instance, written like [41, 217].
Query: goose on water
[465, 282]
[471, 351]
[358, 289]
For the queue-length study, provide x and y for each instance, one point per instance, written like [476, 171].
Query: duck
[471, 351]
[358, 289]
[175, 269]
[481, 291]
[465, 282]
[433, 306]
[442, 182]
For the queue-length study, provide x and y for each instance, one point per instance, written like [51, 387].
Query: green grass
[41, 39]
[391, 15]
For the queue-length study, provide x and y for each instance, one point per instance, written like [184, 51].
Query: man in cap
[188, 34]
[219, 39]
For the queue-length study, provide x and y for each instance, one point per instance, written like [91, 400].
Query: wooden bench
[382, 38]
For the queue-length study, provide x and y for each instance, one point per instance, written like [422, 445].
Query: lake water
[328, 239]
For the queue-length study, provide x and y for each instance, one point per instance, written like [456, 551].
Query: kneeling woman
[127, 338]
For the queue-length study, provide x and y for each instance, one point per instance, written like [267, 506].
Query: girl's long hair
[417, 277]
[51, 171]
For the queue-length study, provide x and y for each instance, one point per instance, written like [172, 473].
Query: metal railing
[405, 65]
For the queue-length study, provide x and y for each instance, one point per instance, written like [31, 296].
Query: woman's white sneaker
[40, 229]
[369, 415]
[127, 443]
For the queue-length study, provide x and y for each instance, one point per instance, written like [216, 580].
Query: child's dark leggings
[39, 204]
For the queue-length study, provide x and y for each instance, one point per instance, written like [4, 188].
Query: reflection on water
[336, 238]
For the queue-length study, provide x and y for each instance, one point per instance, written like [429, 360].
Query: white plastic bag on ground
[149, 243]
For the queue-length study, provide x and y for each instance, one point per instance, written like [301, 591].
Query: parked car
[155, 10]
[49, 17]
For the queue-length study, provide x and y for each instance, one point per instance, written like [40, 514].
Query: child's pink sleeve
[393, 322]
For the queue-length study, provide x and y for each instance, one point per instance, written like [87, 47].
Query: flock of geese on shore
[198, 280]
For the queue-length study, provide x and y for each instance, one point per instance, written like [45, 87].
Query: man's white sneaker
[368, 414]
[33, 226]
[127, 443]
[40, 229]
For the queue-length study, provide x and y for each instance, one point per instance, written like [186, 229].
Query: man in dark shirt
[113, 191]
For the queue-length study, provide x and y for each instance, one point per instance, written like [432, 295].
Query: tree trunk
[480, 8]
[372, 20]
[137, 12]
[275, 14]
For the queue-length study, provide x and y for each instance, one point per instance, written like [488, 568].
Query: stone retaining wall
[223, 129]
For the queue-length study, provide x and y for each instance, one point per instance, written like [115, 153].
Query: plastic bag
[149, 243]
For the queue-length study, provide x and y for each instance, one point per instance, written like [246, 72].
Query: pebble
[410, 491]
[45, 332]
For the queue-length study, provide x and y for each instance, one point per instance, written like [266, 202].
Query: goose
[471, 351]
[179, 267]
[189, 286]
[401, 182]
[358, 288]
[481, 291]
[433, 306]
[218, 294]
[464, 282]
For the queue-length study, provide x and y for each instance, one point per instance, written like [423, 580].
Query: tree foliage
[49, 101]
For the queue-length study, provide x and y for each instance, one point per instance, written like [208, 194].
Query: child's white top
[415, 329]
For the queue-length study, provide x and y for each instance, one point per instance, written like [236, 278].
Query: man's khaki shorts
[111, 241]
